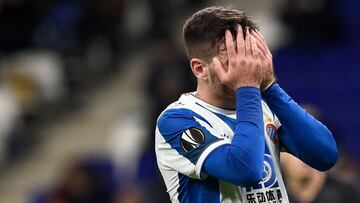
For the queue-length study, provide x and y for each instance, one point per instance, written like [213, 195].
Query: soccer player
[222, 142]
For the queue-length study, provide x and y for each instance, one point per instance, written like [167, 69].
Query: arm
[300, 133]
[241, 161]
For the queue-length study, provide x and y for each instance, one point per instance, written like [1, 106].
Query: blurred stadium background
[82, 82]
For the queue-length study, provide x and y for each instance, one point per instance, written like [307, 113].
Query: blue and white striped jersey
[188, 131]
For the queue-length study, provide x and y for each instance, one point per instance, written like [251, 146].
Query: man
[222, 142]
[307, 185]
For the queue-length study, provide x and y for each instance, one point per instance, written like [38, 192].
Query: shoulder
[178, 110]
[180, 116]
[174, 117]
[177, 116]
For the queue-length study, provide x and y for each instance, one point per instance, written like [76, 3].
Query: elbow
[325, 153]
[248, 165]
[254, 176]
[326, 156]
[329, 159]
[330, 155]
[249, 176]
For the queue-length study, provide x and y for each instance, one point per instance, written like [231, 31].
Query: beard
[219, 89]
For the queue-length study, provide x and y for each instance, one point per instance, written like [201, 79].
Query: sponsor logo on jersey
[267, 190]
[269, 179]
[192, 138]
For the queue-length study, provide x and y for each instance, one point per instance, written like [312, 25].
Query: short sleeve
[183, 141]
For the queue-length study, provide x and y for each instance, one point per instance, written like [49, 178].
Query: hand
[266, 61]
[244, 65]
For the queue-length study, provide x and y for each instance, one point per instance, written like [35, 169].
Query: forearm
[242, 161]
[301, 134]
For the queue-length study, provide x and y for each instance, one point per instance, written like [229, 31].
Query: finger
[261, 44]
[240, 41]
[247, 43]
[219, 68]
[263, 40]
[261, 56]
[229, 41]
[254, 48]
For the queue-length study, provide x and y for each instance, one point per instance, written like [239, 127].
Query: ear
[199, 68]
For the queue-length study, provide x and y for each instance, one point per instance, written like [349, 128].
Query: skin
[266, 60]
[240, 63]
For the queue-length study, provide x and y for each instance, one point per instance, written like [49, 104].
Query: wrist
[272, 91]
[268, 80]
[256, 85]
[247, 91]
[247, 88]
[267, 85]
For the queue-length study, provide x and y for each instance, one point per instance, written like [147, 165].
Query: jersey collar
[191, 96]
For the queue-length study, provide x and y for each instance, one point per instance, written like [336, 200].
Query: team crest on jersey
[192, 138]
[272, 133]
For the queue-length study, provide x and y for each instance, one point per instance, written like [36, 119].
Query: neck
[207, 95]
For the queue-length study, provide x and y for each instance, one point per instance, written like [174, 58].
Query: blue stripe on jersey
[198, 191]
[173, 122]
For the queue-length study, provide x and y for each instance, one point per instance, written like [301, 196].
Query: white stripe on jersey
[170, 175]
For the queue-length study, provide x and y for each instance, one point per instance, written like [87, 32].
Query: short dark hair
[205, 29]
